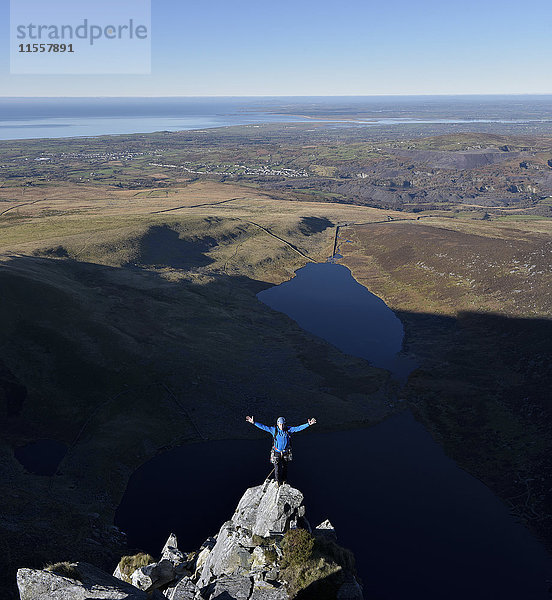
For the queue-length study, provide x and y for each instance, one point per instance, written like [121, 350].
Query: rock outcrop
[154, 576]
[92, 583]
[263, 512]
[266, 551]
[268, 509]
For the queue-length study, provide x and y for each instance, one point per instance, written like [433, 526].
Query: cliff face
[266, 551]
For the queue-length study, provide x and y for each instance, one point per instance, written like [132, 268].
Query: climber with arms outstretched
[280, 454]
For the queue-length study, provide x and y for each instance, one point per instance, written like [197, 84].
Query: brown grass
[129, 564]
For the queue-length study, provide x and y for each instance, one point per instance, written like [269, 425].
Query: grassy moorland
[129, 323]
[474, 297]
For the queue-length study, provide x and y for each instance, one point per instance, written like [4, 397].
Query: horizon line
[297, 96]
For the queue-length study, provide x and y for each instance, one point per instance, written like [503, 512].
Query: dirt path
[20, 205]
[156, 212]
[281, 239]
[294, 248]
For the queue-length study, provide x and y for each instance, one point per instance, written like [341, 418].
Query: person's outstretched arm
[301, 427]
[260, 425]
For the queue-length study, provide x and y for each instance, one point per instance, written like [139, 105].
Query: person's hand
[311, 421]
[249, 419]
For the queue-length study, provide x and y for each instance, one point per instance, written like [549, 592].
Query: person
[281, 446]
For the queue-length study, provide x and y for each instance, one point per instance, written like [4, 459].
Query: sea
[31, 118]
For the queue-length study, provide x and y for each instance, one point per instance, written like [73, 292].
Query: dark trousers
[280, 468]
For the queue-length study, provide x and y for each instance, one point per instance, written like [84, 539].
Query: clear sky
[307, 47]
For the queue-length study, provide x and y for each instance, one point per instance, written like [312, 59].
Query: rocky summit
[266, 551]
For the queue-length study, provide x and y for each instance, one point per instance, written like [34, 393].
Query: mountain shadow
[483, 391]
[118, 363]
[310, 225]
[162, 246]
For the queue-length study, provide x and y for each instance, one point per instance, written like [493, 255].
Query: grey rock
[228, 557]
[153, 576]
[117, 573]
[267, 509]
[233, 587]
[263, 511]
[325, 529]
[209, 543]
[35, 584]
[185, 589]
[261, 557]
[272, 573]
[200, 561]
[265, 591]
[183, 570]
[171, 552]
[172, 541]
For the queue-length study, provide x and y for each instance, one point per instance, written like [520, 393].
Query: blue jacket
[281, 443]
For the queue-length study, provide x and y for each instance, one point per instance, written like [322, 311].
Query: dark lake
[326, 300]
[420, 527]
[41, 457]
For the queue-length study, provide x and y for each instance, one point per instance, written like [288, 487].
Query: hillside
[475, 301]
[129, 321]
[124, 332]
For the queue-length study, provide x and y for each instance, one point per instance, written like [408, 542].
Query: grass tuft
[129, 564]
[314, 567]
[64, 569]
[297, 547]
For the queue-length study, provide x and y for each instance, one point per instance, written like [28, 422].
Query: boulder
[325, 529]
[228, 557]
[268, 509]
[153, 576]
[200, 560]
[201, 556]
[117, 573]
[185, 589]
[262, 557]
[263, 511]
[264, 591]
[171, 552]
[232, 587]
[271, 574]
[36, 584]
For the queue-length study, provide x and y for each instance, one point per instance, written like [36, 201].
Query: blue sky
[304, 47]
